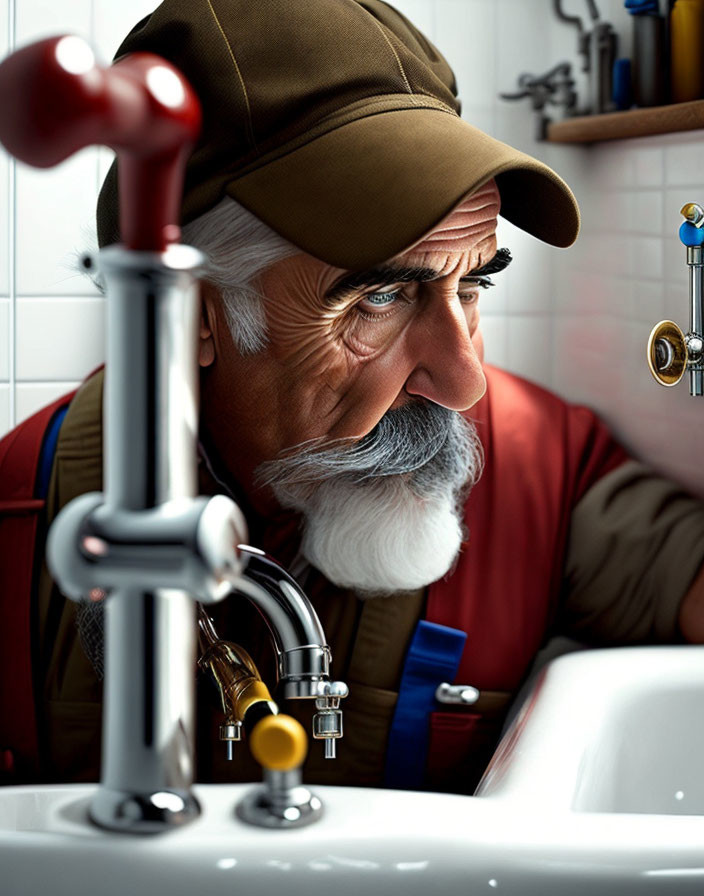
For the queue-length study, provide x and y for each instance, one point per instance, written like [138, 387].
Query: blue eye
[382, 299]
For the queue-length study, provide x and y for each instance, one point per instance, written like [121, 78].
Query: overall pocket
[461, 745]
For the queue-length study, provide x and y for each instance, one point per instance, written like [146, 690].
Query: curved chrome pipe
[569, 20]
[288, 613]
[303, 657]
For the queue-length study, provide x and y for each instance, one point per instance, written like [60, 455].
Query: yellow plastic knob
[279, 743]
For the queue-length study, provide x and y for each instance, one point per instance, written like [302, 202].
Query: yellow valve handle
[279, 743]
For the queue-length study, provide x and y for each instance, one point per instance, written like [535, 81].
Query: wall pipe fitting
[670, 351]
[598, 50]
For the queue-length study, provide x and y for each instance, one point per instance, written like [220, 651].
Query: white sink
[551, 818]
[609, 731]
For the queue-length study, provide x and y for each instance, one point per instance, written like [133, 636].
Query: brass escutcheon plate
[672, 336]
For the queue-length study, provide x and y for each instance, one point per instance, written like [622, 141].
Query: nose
[448, 371]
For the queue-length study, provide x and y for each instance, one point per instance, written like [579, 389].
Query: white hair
[239, 247]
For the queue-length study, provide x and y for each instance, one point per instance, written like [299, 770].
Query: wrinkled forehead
[468, 224]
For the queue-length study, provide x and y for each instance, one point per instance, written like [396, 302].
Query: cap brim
[365, 191]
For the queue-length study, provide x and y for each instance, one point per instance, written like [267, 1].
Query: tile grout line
[11, 251]
[495, 73]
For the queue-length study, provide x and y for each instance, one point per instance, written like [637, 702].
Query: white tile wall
[636, 189]
[422, 14]
[4, 342]
[55, 209]
[4, 26]
[35, 19]
[494, 329]
[112, 22]
[529, 346]
[576, 320]
[684, 163]
[4, 227]
[459, 27]
[529, 287]
[4, 407]
[31, 397]
[51, 318]
[6, 264]
[45, 351]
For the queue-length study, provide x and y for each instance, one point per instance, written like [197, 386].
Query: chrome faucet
[154, 548]
[303, 660]
[670, 351]
[148, 543]
[303, 657]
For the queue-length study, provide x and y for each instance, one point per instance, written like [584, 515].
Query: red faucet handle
[57, 100]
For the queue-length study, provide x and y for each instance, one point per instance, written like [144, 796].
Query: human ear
[207, 328]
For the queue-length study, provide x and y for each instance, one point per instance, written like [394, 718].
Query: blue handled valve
[691, 229]
[691, 235]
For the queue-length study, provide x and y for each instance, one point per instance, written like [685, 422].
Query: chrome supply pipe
[695, 262]
[57, 99]
[151, 414]
[148, 542]
[670, 351]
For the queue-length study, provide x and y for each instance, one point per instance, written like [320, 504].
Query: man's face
[346, 348]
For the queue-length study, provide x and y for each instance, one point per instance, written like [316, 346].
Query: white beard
[385, 514]
[380, 538]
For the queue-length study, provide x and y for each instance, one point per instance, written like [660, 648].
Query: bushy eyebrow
[387, 275]
[499, 262]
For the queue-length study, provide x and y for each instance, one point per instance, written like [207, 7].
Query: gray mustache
[423, 441]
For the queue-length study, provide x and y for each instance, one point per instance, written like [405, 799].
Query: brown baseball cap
[335, 122]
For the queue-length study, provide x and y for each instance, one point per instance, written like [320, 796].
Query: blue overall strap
[433, 657]
[46, 460]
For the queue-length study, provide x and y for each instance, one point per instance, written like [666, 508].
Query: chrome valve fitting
[670, 351]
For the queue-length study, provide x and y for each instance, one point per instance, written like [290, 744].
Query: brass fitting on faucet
[277, 741]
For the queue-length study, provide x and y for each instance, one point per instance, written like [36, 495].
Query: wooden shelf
[633, 123]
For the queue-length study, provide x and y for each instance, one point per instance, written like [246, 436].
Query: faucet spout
[303, 657]
[302, 654]
[289, 615]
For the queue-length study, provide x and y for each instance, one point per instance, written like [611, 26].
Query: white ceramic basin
[609, 731]
[551, 818]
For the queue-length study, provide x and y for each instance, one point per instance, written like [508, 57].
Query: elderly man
[349, 216]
